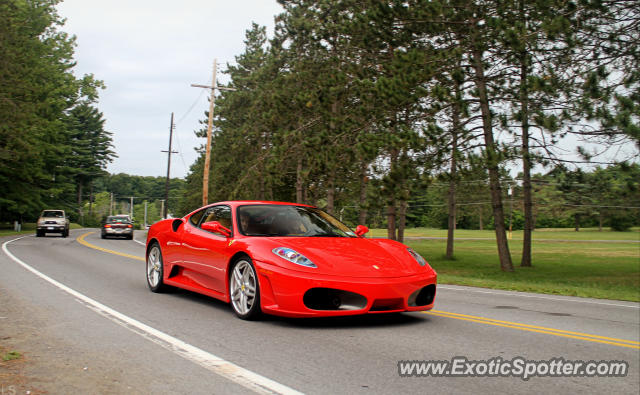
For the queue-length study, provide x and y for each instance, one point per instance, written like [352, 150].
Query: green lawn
[577, 268]
[538, 234]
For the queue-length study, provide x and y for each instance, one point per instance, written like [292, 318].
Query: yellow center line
[538, 329]
[82, 241]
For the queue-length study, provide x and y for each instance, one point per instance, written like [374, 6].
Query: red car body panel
[381, 270]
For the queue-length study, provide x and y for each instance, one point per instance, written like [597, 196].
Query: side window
[195, 218]
[221, 214]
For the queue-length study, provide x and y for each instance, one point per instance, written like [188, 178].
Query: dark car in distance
[117, 225]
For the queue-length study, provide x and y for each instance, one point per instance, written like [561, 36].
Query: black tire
[39, 233]
[65, 233]
[154, 257]
[130, 237]
[103, 236]
[244, 300]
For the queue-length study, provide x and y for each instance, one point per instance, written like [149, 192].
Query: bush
[621, 223]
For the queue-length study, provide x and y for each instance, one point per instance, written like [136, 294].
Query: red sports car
[286, 259]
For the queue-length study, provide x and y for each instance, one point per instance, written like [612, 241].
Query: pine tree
[37, 91]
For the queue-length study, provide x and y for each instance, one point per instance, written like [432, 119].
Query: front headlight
[417, 257]
[293, 256]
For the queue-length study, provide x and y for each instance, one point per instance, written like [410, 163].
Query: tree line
[114, 194]
[54, 148]
[53, 144]
[368, 102]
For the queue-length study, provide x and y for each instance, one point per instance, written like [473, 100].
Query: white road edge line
[229, 370]
[139, 242]
[537, 297]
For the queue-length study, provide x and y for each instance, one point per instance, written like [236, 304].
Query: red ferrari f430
[286, 259]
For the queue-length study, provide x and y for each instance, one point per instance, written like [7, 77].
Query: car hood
[351, 257]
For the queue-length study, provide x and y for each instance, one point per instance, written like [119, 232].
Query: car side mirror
[216, 227]
[361, 230]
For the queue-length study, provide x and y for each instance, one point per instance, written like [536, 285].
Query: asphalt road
[91, 293]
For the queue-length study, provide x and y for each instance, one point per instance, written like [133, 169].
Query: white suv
[52, 221]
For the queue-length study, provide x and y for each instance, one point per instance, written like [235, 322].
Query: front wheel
[244, 290]
[155, 269]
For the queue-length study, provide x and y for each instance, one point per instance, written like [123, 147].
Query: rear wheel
[65, 233]
[244, 290]
[155, 269]
[39, 233]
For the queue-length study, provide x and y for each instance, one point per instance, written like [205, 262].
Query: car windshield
[53, 214]
[117, 220]
[289, 221]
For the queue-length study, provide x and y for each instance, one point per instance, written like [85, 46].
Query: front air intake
[423, 296]
[333, 299]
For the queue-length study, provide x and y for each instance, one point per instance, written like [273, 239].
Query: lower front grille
[387, 304]
[333, 299]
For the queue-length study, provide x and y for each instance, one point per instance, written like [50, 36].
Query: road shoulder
[49, 363]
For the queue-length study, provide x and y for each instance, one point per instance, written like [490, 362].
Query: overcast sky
[148, 53]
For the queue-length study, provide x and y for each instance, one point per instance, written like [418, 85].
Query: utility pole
[207, 155]
[166, 184]
[162, 206]
[131, 209]
[111, 205]
[145, 214]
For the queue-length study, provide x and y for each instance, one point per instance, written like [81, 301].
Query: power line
[182, 118]
[592, 205]
[190, 108]
[536, 204]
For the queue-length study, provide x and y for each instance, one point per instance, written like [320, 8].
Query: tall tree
[90, 147]
[537, 42]
[36, 92]
[473, 25]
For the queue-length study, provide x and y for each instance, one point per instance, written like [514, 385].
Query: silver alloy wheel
[154, 267]
[243, 287]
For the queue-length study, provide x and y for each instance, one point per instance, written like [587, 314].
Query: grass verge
[7, 229]
[575, 268]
